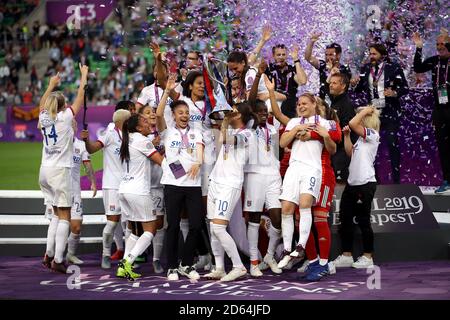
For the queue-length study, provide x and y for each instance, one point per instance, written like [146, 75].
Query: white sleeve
[85, 156]
[144, 98]
[243, 138]
[146, 147]
[291, 124]
[104, 139]
[370, 135]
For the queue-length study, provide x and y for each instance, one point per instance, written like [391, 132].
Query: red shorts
[326, 192]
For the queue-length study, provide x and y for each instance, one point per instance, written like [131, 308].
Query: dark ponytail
[239, 57]
[247, 114]
[129, 126]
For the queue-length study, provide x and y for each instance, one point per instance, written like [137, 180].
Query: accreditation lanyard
[203, 111]
[316, 119]
[184, 140]
[226, 147]
[437, 74]
[266, 137]
[376, 77]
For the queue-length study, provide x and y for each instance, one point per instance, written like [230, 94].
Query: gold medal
[375, 84]
[189, 150]
[268, 148]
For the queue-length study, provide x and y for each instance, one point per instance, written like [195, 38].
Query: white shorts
[56, 185]
[111, 202]
[261, 190]
[137, 207]
[157, 195]
[221, 201]
[49, 211]
[206, 172]
[300, 179]
[76, 212]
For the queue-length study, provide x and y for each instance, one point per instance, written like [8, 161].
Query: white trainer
[303, 266]
[172, 275]
[234, 274]
[272, 264]
[189, 272]
[215, 274]
[70, 258]
[363, 262]
[255, 272]
[331, 268]
[343, 261]
[284, 260]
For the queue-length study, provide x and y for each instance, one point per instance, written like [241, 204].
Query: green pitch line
[20, 162]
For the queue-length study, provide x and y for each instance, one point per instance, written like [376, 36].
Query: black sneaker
[59, 267]
[47, 262]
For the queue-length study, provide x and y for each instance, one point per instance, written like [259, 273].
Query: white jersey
[250, 77]
[198, 115]
[112, 167]
[229, 167]
[151, 95]
[79, 155]
[137, 171]
[308, 152]
[181, 157]
[263, 145]
[156, 170]
[361, 169]
[57, 139]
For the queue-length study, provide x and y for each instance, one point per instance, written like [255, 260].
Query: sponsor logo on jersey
[249, 203]
[112, 207]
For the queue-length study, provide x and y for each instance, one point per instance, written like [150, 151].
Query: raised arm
[161, 72]
[300, 75]
[356, 123]
[76, 106]
[254, 90]
[160, 121]
[308, 52]
[52, 84]
[419, 66]
[270, 85]
[266, 35]
[348, 145]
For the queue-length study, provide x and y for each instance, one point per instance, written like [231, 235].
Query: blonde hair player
[55, 121]
[302, 182]
[110, 142]
[356, 200]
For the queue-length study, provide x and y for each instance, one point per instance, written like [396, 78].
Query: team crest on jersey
[112, 207]
[77, 150]
[249, 203]
[149, 145]
[192, 136]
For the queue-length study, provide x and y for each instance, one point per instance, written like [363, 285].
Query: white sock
[118, 237]
[140, 246]
[287, 230]
[304, 226]
[74, 240]
[108, 232]
[217, 250]
[228, 244]
[62, 232]
[252, 236]
[314, 260]
[51, 233]
[184, 226]
[158, 241]
[274, 237]
[131, 242]
[323, 262]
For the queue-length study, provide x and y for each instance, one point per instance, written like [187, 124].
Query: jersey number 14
[52, 135]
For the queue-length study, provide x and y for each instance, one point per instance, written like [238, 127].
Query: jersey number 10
[52, 135]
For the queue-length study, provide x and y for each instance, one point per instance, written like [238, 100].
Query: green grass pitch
[20, 162]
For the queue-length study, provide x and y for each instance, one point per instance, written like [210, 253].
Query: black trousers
[441, 123]
[175, 199]
[390, 124]
[356, 201]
